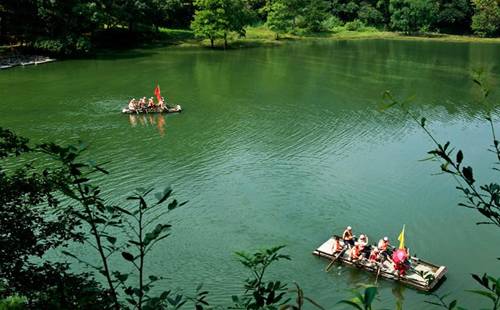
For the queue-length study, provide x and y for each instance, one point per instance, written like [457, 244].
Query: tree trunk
[225, 40]
[277, 36]
[211, 42]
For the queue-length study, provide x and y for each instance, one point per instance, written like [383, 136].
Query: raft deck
[422, 275]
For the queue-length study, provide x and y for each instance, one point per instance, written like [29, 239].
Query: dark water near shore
[280, 146]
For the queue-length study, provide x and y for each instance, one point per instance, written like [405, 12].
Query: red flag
[157, 92]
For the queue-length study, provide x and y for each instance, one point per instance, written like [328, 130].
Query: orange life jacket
[338, 246]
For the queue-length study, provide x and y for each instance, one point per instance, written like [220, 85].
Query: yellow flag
[401, 238]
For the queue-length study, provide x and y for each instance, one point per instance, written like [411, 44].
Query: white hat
[349, 227]
[361, 236]
[386, 239]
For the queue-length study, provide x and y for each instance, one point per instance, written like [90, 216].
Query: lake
[281, 145]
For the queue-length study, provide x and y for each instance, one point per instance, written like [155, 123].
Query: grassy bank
[262, 36]
[258, 36]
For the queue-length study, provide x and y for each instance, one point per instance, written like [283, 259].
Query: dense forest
[75, 26]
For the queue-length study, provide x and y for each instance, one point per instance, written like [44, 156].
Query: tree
[486, 19]
[315, 14]
[279, 18]
[346, 10]
[454, 16]
[217, 18]
[412, 15]
[370, 15]
[32, 222]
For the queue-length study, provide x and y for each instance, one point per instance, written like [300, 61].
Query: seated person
[142, 103]
[337, 246]
[384, 247]
[132, 104]
[151, 103]
[161, 104]
[374, 255]
[356, 251]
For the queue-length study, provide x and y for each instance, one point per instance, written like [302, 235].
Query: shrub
[331, 23]
[355, 25]
[486, 19]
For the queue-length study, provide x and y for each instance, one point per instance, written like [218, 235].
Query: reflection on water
[146, 120]
[398, 293]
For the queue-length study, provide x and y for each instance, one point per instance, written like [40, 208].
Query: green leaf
[111, 239]
[370, 293]
[122, 277]
[128, 256]
[163, 196]
[153, 278]
[460, 157]
[164, 295]
[172, 205]
[350, 303]
[468, 175]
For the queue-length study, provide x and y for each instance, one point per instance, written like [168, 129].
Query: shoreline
[261, 37]
[256, 37]
[23, 60]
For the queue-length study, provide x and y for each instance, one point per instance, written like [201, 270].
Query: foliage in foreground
[485, 199]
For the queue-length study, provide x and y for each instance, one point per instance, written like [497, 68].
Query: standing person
[348, 237]
[363, 240]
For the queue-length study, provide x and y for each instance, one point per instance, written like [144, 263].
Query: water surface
[278, 146]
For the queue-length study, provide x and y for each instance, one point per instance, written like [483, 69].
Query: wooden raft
[422, 275]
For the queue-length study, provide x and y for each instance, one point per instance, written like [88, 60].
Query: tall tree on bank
[454, 16]
[315, 14]
[486, 19]
[279, 18]
[412, 16]
[215, 19]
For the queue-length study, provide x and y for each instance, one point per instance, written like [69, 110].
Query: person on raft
[348, 237]
[142, 103]
[374, 255]
[337, 246]
[401, 261]
[384, 247]
[151, 103]
[132, 105]
[356, 252]
[161, 103]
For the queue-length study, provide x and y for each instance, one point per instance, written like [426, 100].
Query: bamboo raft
[422, 275]
[175, 109]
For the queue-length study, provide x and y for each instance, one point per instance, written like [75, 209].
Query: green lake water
[280, 145]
